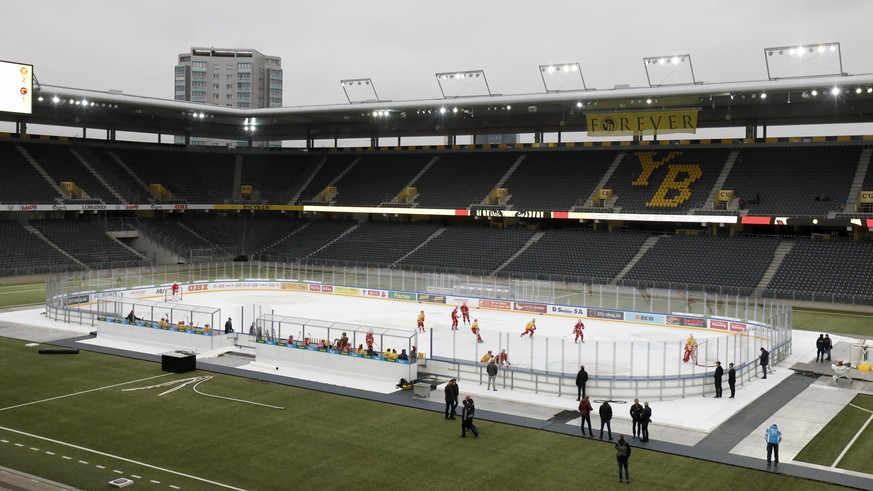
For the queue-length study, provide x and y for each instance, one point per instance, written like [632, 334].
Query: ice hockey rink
[681, 420]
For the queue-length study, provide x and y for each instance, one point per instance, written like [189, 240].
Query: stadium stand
[704, 263]
[577, 255]
[87, 242]
[316, 234]
[22, 252]
[30, 186]
[824, 270]
[556, 180]
[458, 180]
[474, 249]
[331, 169]
[62, 165]
[376, 244]
[673, 181]
[273, 177]
[196, 176]
[794, 180]
[379, 178]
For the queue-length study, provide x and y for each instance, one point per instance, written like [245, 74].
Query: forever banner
[642, 122]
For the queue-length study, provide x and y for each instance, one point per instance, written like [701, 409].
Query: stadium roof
[798, 101]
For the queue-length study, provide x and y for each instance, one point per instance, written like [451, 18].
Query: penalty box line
[123, 459]
[82, 392]
[854, 438]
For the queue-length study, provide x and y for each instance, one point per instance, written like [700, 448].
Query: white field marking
[82, 392]
[117, 471]
[22, 291]
[852, 442]
[83, 462]
[232, 399]
[174, 486]
[4, 441]
[19, 445]
[99, 466]
[123, 459]
[861, 408]
[34, 449]
[156, 482]
[135, 476]
[49, 453]
[66, 457]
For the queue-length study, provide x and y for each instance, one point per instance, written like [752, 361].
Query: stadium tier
[815, 180]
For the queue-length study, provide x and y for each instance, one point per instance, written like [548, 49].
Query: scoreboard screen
[16, 87]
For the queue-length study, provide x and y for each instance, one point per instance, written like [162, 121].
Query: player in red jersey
[530, 328]
[455, 319]
[503, 358]
[421, 321]
[465, 313]
[369, 340]
[475, 329]
[577, 330]
[175, 290]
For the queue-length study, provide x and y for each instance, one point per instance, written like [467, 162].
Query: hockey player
[577, 330]
[487, 357]
[503, 358]
[690, 348]
[421, 321]
[175, 290]
[475, 329]
[530, 328]
[465, 313]
[455, 319]
[369, 340]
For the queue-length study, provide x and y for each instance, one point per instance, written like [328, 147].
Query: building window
[216, 96]
[216, 86]
[230, 96]
[245, 76]
[198, 75]
[243, 66]
[230, 76]
[199, 64]
[216, 76]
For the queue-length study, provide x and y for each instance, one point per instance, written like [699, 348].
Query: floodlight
[359, 90]
[814, 92]
[869, 89]
[508, 107]
[835, 91]
[669, 70]
[648, 101]
[579, 104]
[442, 110]
[56, 99]
[763, 95]
[858, 90]
[803, 61]
[468, 83]
[39, 98]
[562, 77]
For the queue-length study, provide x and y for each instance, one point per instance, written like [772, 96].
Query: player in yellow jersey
[530, 328]
[475, 329]
[421, 321]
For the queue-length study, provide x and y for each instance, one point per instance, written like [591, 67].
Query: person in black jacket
[581, 380]
[467, 415]
[491, 369]
[819, 348]
[636, 410]
[605, 418]
[622, 454]
[732, 379]
[719, 372]
[645, 419]
[829, 345]
[764, 360]
[451, 391]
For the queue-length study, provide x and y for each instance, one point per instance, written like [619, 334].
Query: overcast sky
[133, 46]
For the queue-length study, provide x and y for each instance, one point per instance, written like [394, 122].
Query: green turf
[826, 447]
[22, 294]
[320, 441]
[832, 321]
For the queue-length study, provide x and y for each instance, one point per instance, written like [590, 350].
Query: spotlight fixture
[835, 91]
[814, 92]
[869, 90]
[56, 99]
[858, 90]
[763, 95]
[648, 101]
[579, 104]
[442, 110]
[39, 98]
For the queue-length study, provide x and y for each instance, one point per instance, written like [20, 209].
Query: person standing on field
[622, 454]
[421, 321]
[467, 415]
[451, 391]
[465, 314]
[773, 437]
[732, 379]
[530, 328]
[636, 412]
[764, 360]
[585, 408]
[581, 381]
[605, 419]
[492, 374]
[719, 372]
[820, 348]
[645, 419]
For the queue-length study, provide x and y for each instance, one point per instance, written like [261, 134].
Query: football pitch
[68, 418]
[73, 419]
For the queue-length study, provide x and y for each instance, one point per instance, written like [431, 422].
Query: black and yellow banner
[642, 122]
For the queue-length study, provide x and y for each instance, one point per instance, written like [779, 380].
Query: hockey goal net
[706, 354]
